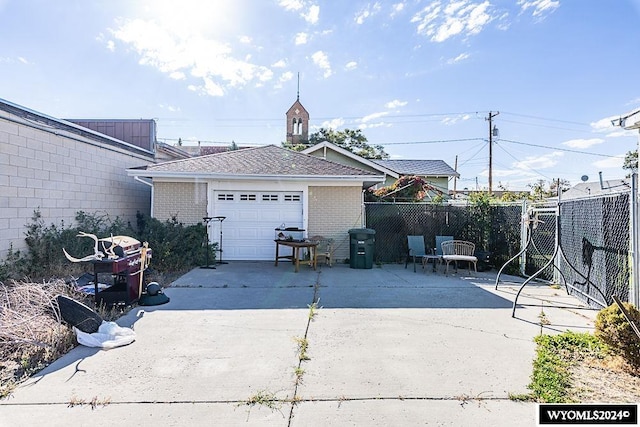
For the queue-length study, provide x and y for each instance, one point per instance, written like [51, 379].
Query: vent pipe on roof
[601, 183]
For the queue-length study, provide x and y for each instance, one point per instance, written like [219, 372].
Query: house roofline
[143, 173]
[42, 121]
[353, 156]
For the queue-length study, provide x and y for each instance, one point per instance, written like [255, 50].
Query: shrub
[612, 328]
[176, 247]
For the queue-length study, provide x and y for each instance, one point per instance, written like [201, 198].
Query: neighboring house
[166, 152]
[601, 188]
[435, 172]
[257, 190]
[60, 168]
[138, 132]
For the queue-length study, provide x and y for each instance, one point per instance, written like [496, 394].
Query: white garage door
[251, 219]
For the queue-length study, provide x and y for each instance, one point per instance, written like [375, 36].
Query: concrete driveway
[253, 344]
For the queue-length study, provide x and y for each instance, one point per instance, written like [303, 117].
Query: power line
[437, 141]
[556, 148]
[546, 119]
[528, 167]
[544, 126]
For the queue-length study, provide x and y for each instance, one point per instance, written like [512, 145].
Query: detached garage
[257, 190]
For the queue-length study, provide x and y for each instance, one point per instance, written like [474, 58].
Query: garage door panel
[251, 219]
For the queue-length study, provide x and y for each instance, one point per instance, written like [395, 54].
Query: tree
[406, 188]
[349, 139]
[559, 184]
[539, 190]
[630, 160]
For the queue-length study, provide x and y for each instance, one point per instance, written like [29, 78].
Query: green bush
[612, 328]
[175, 247]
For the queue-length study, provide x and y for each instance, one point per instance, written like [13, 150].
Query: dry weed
[32, 334]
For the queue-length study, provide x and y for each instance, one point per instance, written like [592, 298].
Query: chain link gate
[583, 244]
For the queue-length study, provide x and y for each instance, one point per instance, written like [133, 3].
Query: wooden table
[295, 252]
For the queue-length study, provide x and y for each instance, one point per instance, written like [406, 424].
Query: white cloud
[540, 162]
[367, 12]
[502, 173]
[457, 17]
[397, 8]
[605, 126]
[169, 108]
[322, 60]
[396, 103]
[540, 8]
[583, 143]
[23, 60]
[291, 4]
[279, 64]
[458, 58]
[301, 38]
[312, 15]
[181, 54]
[373, 116]
[448, 121]
[610, 163]
[177, 75]
[245, 39]
[285, 77]
[373, 125]
[111, 45]
[351, 65]
[212, 88]
[333, 124]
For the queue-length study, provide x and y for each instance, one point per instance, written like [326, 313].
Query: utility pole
[491, 130]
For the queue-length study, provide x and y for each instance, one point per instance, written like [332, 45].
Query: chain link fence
[495, 229]
[593, 256]
[595, 243]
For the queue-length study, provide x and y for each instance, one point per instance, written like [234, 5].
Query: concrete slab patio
[386, 346]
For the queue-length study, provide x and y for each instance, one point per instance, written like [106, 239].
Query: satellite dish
[584, 178]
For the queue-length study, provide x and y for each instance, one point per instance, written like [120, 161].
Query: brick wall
[186, 201]
[60, 174]
[332, 212]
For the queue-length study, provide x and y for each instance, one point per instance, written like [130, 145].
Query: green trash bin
[361, 247]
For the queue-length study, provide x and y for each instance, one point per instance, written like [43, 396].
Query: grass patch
[555, 354]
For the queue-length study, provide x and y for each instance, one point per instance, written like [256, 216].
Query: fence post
[524, 225]
[634, 291]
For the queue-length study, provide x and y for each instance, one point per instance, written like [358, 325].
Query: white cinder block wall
[61, 173]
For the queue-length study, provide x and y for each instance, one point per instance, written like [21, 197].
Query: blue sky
[417, 76]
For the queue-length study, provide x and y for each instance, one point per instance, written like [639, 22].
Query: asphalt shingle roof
[418, 167]
[264, 160]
